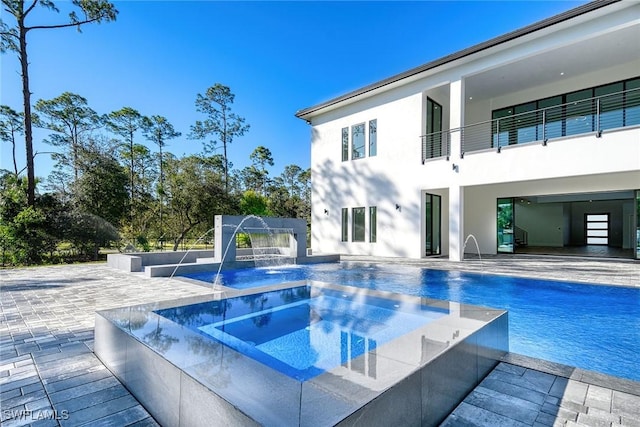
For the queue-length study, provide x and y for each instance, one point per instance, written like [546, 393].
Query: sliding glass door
[432, 225]
[505, 222]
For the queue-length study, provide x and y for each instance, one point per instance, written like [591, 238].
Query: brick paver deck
[545, 394]
[49, 375]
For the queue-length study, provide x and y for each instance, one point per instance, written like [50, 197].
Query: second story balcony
[526, 124]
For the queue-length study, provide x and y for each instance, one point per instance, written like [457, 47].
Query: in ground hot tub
[302, 353]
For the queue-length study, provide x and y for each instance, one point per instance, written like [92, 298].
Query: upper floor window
[354, 143]
[609, 106]
[373, 137]
[632, 110]
[357, 141]
[345, 144]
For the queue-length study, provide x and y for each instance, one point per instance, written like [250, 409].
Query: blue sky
[277, 58]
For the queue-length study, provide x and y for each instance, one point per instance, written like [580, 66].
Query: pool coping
[582, 270]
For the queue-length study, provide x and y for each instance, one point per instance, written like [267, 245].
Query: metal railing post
[598, 129]
[544, 127]
[498, 133]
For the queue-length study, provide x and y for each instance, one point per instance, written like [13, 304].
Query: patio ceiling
[616, 47]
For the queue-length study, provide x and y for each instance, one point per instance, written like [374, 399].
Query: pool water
[592, 327]
[303, 331]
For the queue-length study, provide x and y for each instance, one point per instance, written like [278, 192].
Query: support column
[456, 222]
[456, 191]
[456, 117]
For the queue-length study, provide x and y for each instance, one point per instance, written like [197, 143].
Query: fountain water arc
[471, 236]
[189, 250]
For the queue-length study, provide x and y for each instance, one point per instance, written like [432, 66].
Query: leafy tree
[125, 122]
[291, 179]
[11, 125]
[253, 203]
[280, 204]
[290, 193]
[101, 190]
[14, 38]
[72, 120]
[261, 157]
[59, 182]
[27, 233]
[88, 233]
[158, 130]
[221, 124]
[195, 193]
[216, 162]
[304, 179]
[146, 173]
[250, 178]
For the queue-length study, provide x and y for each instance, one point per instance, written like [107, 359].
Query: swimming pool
[592, 327]
[303, 331]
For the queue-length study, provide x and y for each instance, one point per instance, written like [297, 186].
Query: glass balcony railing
[603, 113]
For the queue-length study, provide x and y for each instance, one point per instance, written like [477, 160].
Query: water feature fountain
[232, 240]
[261, 231]
[270, 247]
[471, 236]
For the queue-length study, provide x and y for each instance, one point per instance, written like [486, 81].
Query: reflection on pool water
[592, 327]
[303, 332]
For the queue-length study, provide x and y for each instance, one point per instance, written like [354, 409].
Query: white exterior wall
[382, 181]
[576, 164]
[614, 152]
[397, 176]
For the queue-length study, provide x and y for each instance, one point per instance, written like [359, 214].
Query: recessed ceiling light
[471, 97]
[562, 73]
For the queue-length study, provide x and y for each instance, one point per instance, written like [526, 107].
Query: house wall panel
[398, 177]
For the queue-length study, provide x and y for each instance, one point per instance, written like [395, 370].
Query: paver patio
[49, 375]
[48, 369]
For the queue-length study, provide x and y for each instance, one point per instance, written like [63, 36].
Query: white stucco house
[528, 140]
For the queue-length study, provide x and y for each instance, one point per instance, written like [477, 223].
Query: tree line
[107, 187]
